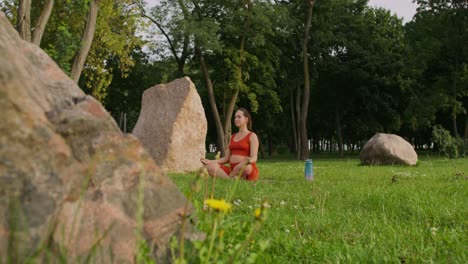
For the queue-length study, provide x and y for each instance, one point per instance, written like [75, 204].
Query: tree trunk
[454, 125]
[86, 41]
[270, 145]
[42, 22]
[232, 102]
[465, 137]
[24, 19]
[184, 55]
[298, 114]
[211, 96]
[229, 113]
[306, 95]
[261, 149]
[339, 133]
[293, 120]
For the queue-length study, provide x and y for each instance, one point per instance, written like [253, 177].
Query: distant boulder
[387, 149]
[69, 179]
[172, 125]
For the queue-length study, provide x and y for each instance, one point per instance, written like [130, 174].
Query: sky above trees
[403, 8]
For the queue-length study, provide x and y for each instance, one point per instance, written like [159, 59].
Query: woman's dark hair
[247, 114]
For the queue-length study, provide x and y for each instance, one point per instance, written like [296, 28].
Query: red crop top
[241, 147]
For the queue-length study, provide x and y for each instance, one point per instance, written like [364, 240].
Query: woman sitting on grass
[243, 149]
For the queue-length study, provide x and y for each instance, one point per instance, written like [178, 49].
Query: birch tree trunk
[24, 19]
[86, 41]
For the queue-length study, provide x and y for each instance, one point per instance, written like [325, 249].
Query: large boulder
[70, 181]
[172, 125]
[386, 149]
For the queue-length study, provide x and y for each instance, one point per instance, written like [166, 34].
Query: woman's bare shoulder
[253, 136]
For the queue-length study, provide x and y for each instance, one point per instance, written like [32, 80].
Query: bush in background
[447, 145]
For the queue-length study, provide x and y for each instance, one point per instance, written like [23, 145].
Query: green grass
[351, 213]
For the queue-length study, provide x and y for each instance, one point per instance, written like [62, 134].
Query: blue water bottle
[309, 170]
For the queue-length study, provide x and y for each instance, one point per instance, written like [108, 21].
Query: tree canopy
[311, 72]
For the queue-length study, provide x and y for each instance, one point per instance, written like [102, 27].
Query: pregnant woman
[243, 150]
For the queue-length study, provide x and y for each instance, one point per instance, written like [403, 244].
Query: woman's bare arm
[222, 160]
[253, 148]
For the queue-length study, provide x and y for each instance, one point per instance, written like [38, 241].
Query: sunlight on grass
[353, 213]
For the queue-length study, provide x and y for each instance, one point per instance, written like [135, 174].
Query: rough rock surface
[69, 179]
[385, 149]
[172, 125]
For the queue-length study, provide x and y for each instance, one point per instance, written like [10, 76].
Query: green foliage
[446, 144]
[369, 72]
[124, 95]
[115, 39]
[9, 7]
[444, 141]
[282, 149]
[63, 47]
[357, 52]
[436, 64]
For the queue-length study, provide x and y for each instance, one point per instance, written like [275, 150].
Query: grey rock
[387, 149]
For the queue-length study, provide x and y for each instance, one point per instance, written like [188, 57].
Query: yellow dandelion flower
[219, 205]
[258, 213]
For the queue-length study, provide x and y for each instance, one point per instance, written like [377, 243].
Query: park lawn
[349, 213]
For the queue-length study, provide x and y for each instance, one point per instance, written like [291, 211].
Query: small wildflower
[295, 206]
[266, 205]
[258, 213]
[287, 231]
[282, 202]
[434, 230]
[250, 207]
[219, 205]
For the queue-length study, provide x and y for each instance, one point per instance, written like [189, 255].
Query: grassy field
[349, 213]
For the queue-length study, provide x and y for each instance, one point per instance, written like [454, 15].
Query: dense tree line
[333, 72]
